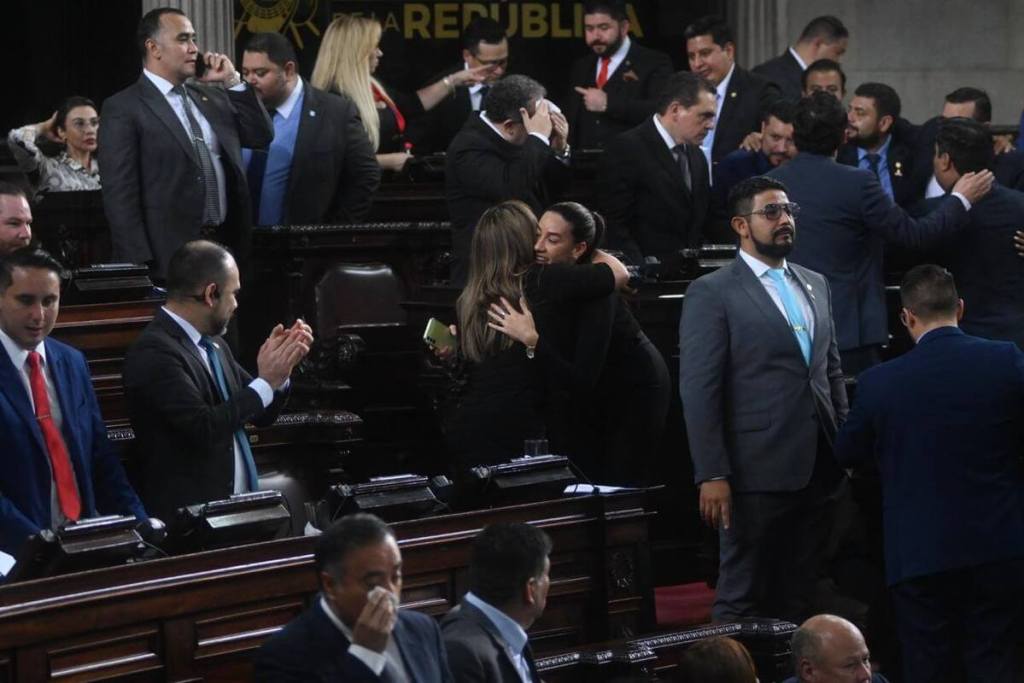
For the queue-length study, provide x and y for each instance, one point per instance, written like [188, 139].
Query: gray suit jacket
[477, 653]
[752, 405]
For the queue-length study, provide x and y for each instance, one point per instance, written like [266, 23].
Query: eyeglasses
[774, 211]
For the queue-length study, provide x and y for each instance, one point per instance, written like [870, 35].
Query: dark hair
[887, 102]
[505, 557]
[278, 49]
[481, 30]
[27, 257]
[717, 660]
[967, 142]
[741, 196]
[783, 110]
[928, 291]
[349, 533]
[509, 95]
[587, 226]
[823, 66]
[613, 8]
[194, 265]
[70, 103]
[683, 87]
[149, 27]
[712, 26]
[982, 103]
[827, 27]
[819, 124]
[12, 188]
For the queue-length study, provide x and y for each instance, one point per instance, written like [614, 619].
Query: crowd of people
[811, 190]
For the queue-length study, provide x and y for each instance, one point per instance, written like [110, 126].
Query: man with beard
[847, 218]
[320, 168]
[188, 399]
[616, 86]
[763, 396]
[878, 140]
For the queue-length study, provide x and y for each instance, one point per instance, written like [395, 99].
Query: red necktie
[602, 75]
[60, 462]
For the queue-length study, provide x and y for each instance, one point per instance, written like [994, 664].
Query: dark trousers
[771, 556]
[962, 625]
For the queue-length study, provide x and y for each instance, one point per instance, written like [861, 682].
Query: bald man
[15, 218]
[830, 649]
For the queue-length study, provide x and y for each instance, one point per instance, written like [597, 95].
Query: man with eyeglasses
[763, 396]
[188, 399]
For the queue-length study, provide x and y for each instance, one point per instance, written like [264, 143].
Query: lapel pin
[899, 170]
[312, 113]
[732, 94]
[205, 98]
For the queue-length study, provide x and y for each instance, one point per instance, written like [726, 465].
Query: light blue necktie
[793, 311]
[243, 442]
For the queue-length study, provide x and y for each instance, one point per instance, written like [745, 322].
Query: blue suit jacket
[946, 422]
[845, 219]
[25, 480]
[311, 648]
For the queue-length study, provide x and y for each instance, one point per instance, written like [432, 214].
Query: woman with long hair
[348, 57]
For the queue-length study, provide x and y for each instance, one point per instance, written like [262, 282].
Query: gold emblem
[278, 16]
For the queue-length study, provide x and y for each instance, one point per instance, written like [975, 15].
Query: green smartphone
[438, 336]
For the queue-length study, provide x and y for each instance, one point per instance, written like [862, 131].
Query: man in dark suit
[944, 424]
[847, 218]
[320, 167]
[878, 141]
[56, 464]
[485, 635]
[741, 96]
[483, 45]
[15, 217]
[516, 149]
[830, 649]
[824, 75]
[188, 399]
[355, 632]
[171, 152]
[824, 37]
[763, 395]
[616, 86]
[653, 179]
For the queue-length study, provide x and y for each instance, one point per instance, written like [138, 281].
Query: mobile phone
[438, 336]
[200, 64]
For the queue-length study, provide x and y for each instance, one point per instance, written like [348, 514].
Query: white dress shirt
[798, 58]
[709, 139]
[616, 59]
[513, 634]
[761, 269]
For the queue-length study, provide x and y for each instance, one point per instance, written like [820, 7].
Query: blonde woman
[349, 55]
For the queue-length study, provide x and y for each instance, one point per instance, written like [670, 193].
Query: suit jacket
[25, 479]
[736, 166]
[483, 169]
[311, 648]
[845, 219]
[334, 168]
[785, 72]
[747, 96]
[153, 191]
[908, 183]
[944, 422]
[477, 653]
[753, 408]
[644, 198]
[1008, 167]
[435, 130]
[184, 432]
[632, 91]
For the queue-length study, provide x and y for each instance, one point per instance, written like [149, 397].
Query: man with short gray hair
[830, 649]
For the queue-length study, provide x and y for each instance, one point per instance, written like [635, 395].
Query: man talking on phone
[171, 147]
[354, 631]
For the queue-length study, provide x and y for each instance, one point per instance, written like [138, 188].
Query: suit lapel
[820, 309]
[756, 291]
[413, 655]
[307, 136]
[728, 104]
[192, 354]
[656, 146]
[500, 643]
[12, 386]
[155, 100]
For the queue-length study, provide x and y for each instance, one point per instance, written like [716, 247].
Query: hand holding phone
[438, 337]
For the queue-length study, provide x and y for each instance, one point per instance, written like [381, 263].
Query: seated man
[829, 649]
[354, 631]
[188, 399]
[15, 218]
[56, 464]
[508, 589]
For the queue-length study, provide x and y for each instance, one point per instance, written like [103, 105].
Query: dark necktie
[211, 205]
[243, 442]
[484, 89]
[254, 175]
[684, 165]
[873, 161]
[602, 75]
[60, 461]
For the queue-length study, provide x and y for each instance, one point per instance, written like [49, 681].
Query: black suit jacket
[785, 72]
[477, 653]
[632, 91]
[645, 201]
[153, 191]
[311, 648]
[184, 432]
[747, 96]
[436, 129]
[482, 169]
[908, 183]
[334, 169]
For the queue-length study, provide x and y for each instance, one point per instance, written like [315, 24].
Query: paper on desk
[588, 489]
[6, 562]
